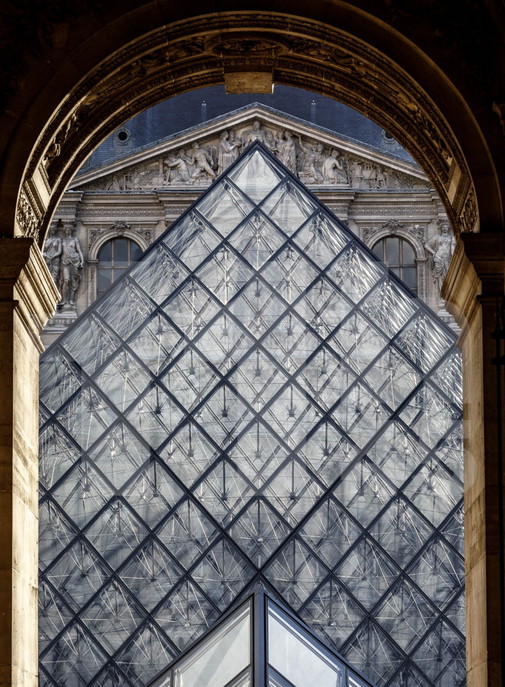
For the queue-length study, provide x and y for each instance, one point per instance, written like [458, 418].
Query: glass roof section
[257, 399]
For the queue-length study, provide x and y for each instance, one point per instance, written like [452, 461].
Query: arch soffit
[197, 53]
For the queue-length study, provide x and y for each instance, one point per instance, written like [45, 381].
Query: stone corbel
[26, 284]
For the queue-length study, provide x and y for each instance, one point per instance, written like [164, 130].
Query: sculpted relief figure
[441, 248]
[52, 254]
[255, 134]
[72, 262]
[201, 161]
[228, 151]
[286, 151]
[307, 165]
[333, 168]
[177, 168]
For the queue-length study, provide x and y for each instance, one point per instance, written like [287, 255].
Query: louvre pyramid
[257, 399]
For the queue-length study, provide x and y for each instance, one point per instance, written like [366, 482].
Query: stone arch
[342, 51]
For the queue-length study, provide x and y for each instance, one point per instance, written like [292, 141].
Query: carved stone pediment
[194, 158]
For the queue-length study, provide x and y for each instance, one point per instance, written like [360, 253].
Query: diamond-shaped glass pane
[258, 453]
[258, 379]
[191, 308]
[123, 379]
[442, 656]
[257, 240]
[355, 273]
[323, 307]
[224, 207]
[91, 343]
[187, 533]
[257, 308]
[357, 342]
[424, 342]
[330, 532]
[222, 573]
[59, 378]
[54, 615]
[224, 416]
[327, 452]
[321, 239]
[288, 206]
[159, 274]
[224, 274]
[259, 532]
[256, 176]
[392, 377]
[449, 377]
[360, 414]
[293, 491]
[55, 532]
[397, 453]
[401, 531]
[119, 454]
[150, 574]
[224, 343]
[155, 416]
[295, 572]
[78, 574]
[125, 308]
[325, 378]
[367, 572]
[364, 492]
[186, 614]
[83, 493]
[145, 655]
[57, 454]
[116, 533]
[429, 415]
[434, 491]
[373, 654]
[439, 572]
[223, 492]
[190, 379]
[332, 613]
[292, 415]
[86, 416]
[289, 273]
[405, 614]
[75, 658]
[112, 616]
[157, 343]
[192, 240]
[153, 493]
[189, 453]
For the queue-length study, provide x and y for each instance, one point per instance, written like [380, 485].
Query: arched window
[399, 256]
[114, 257]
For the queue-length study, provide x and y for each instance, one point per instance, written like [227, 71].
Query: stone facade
[376, 193]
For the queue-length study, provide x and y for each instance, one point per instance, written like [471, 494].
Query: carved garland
[326, 60]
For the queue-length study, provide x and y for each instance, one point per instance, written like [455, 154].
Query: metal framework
[257, 399]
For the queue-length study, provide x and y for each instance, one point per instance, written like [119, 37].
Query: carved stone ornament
[418, 231]
[26, 217]
[194, 53]
[367, 233]
[120, 227]
[392, 226]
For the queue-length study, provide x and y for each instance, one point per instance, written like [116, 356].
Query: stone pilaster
[473, 287]
[27, 298]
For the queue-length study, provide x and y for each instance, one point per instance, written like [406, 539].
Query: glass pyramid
[258, 399]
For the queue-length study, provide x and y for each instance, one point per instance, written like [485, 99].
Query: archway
[111, 64]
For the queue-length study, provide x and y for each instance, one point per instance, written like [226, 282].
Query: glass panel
[121, 252]
[288, 206]
[225, 207]
[409, 257]
[378, 249]
[221, 657]
[298, 659]
[392, 252]
[104, 280]
[255, 176]
[105, 252]
[135, 251]
[159, 274]
[192, 240]
[410, 277]
[321, 239]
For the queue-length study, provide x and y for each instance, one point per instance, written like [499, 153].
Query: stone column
[27, 297]
[473, 286]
